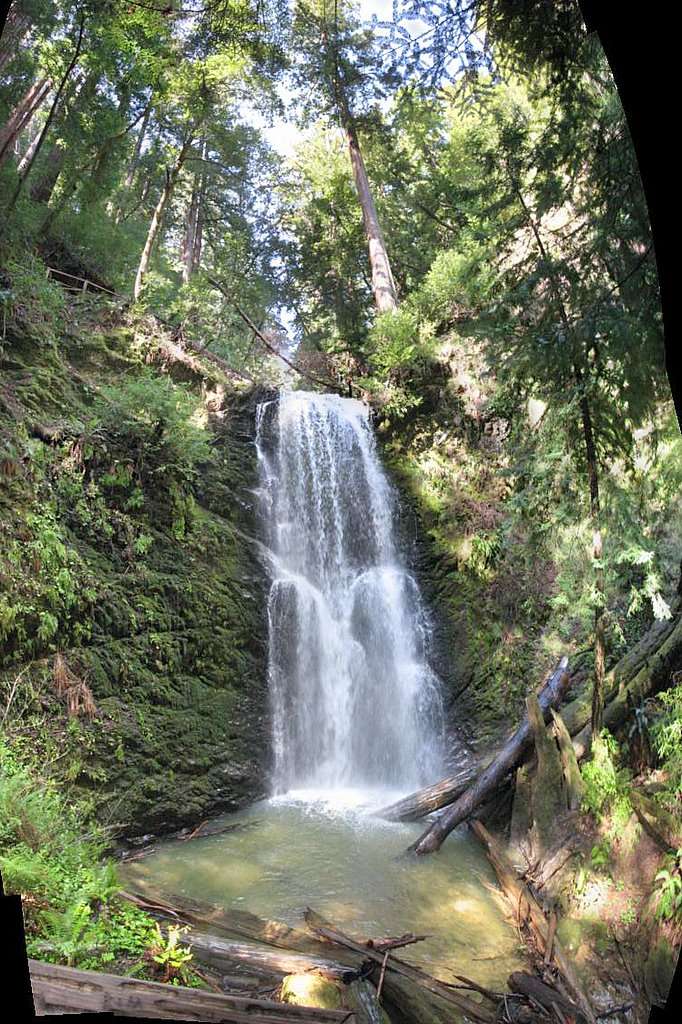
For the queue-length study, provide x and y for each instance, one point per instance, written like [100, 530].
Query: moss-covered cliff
[131, 611]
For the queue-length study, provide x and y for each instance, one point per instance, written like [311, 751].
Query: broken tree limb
[234, 924]
[529, 911]
[407, 972]
[575, 787]
[509, 757]
[429, 799]
[381, 945]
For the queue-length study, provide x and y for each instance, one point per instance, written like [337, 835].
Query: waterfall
[354, 701]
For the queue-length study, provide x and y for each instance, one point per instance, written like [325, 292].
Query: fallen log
[663, 828]
[429, 799]
[662, 657]
[275, 962]
[406, 971]
[68, 989]
[361, 996]
[233, 924]
[575, 787]
[576, 713]
[508, 758]
[529, 912]
[533, 988]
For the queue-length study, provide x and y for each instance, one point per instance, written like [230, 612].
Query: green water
[292, 854]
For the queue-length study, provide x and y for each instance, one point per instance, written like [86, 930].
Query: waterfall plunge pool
[308, 849]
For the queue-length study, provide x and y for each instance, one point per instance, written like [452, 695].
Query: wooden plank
[71, 989]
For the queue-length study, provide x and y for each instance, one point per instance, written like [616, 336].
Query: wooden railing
[83, 285]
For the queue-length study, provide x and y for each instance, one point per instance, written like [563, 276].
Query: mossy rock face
[311, 990]
[154, 596]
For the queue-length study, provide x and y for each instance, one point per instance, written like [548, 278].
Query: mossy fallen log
[429, 799]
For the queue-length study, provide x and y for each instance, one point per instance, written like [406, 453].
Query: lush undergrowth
[131, 630]
[73, 913]
[507, 530]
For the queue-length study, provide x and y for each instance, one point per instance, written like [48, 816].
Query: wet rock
[311, 990]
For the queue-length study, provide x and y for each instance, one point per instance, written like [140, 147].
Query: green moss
[122, 552]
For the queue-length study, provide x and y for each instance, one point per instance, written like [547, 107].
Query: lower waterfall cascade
[355, 704]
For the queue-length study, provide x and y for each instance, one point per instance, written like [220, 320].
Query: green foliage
[669, 892]
[667, 739]
[603, 781]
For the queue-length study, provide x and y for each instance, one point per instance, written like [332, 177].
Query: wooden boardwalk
[68, 990]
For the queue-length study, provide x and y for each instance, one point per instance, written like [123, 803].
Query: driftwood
[381, 945]
[406, 972]
[67, 989]
[429, 799]
[529, 912]
[508, 758]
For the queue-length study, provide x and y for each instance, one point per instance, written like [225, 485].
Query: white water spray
[355, 704]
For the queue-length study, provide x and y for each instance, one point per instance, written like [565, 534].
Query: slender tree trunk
[383, 285]
[134, 160]
[50, 116]
[595, 515]
[21, 115]
[157, 217]
[26, 159]
[191, 242]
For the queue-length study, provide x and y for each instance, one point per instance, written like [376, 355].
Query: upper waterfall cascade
[354, 702]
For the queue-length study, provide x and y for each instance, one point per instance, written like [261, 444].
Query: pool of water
[330, 854]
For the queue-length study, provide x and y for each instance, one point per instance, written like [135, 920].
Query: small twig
[475, 987]
[383, 972]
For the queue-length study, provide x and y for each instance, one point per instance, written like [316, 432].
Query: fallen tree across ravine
[509, 757]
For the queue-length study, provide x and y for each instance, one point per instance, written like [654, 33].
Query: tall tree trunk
[191, 242]
[50, 116]
[595, 515]
[14, 30]
[383, 285]
[157, 217]
[21, 115]
[74, 98]
[135, 159]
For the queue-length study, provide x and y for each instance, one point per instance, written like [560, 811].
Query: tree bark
[191, 242]
[14, 31]
[157, 217]
[21, 115]
[575, 787]
[429, 799]
[50, 116]
[509, 757]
